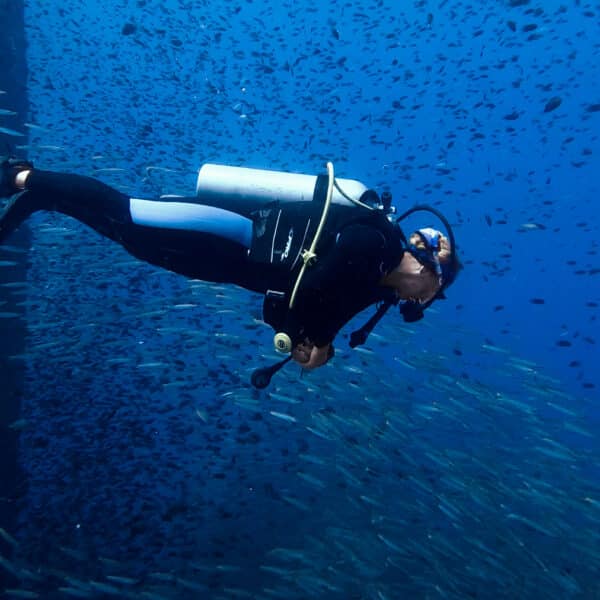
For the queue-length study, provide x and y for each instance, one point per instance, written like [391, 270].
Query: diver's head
[412, 280]
[424, 266]
[427, 267]
[432, 249]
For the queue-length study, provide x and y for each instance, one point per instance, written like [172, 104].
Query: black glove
[8, 171]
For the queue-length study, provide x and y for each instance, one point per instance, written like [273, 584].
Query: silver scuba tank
[245, 190]
[285, 208]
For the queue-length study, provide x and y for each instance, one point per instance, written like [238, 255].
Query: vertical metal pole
[13, 80]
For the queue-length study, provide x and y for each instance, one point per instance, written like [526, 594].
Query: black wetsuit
[356, 248]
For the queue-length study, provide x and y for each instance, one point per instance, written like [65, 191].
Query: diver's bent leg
[195, 240]
[88, 200]
[174, 233]
[116, 215]
[94, 203]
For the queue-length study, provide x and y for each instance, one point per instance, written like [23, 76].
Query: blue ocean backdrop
[457, 457]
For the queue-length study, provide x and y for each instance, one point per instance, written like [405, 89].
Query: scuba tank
[246, 191]
[285, 208]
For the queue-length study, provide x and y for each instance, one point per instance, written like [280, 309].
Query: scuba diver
[320, 249]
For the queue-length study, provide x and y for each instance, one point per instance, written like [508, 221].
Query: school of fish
[440, 460]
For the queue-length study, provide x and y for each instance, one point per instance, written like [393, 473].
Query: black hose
[262, 377]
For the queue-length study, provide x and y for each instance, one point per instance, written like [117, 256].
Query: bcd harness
[410, 310]
[275, 301]
[286, 242]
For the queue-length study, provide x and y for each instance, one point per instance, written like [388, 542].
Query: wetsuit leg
[175, 233]
[97, 205]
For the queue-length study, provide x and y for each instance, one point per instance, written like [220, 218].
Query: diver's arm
[325, 298]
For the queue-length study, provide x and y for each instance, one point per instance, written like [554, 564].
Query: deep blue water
[457, 457]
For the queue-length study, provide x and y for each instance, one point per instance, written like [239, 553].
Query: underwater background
[457, 457]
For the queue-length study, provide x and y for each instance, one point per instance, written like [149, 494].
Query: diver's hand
[311, 357]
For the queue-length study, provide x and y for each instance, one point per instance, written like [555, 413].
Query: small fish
[576, 429]
[17, 249]
[109, 169]
[531, 226]
[8, 566]
[13, 593]
[288, 554]
[15, 284]
[237, 593]
[296, 503]
[121, 579]
[370, 501]
[282, 398]
[152, 596]
[12, 132]
[532, 524]
[389, 543]
[34, 126]
[76, 592]
[17, 425]
[283, 416]
[284, 572]
[168, 577]
[552, 104]
[310, 479]
[9, 539]
[105, 587]
[315, 460]
[128, 29]
[405, 363]
[191, 585]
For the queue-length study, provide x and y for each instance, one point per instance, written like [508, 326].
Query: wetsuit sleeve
[333, 290]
